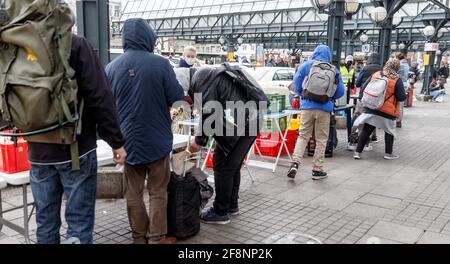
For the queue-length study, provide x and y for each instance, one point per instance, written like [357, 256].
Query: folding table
[274, 117]
[17, 179]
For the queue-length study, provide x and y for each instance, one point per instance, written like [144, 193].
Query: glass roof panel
[189, 8]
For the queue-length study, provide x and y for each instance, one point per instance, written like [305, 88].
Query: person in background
[437, 88]
[189, 58]
[414, 72]
[245, 60]
[271, 63]
[373, 66]
[444, 72]
[348, 76]
[404, 74]
[145, 87]
[385, 117]
[315, 117]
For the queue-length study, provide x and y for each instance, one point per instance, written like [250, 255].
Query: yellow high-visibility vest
[347, 76]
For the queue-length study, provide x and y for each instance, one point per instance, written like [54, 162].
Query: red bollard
[409, 103]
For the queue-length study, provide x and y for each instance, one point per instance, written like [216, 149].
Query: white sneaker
[357, 156]
[391, 157]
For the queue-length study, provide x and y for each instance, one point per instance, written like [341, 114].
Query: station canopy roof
[163, 9]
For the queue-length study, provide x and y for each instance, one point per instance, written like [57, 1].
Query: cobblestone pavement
[367, 201]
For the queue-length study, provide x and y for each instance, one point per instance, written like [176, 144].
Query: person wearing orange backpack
[385, 116]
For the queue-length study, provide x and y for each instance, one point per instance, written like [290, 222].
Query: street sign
[366, 48]
[431, 47]
[426, 60]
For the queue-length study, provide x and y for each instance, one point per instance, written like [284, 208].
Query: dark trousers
[227, 175]
[365, 135]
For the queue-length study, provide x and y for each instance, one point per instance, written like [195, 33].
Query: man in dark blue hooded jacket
[145, 87]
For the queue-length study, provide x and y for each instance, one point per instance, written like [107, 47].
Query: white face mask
[190, 61]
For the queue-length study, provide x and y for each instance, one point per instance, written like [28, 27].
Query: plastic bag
[182, 163]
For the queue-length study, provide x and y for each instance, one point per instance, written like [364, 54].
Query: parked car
[275, 80]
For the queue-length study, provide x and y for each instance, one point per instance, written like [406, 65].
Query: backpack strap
[69, 74]
[75, 155]
[393, 94]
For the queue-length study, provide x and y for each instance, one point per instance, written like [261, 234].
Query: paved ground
[367, 201]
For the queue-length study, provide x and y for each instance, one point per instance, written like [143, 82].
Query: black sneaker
[293, 170]
[234, 211]
[319, 175]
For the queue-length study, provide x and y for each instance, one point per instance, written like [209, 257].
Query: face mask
[349, 64]
[190, 61]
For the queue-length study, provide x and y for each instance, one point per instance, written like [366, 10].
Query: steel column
[350, 42]
[93, 24]
[336, 30]
[429, 69]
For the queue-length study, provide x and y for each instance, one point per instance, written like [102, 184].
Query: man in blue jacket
[315, 117]
[145, 87]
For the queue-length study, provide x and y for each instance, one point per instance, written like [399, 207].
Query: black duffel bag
[183, 208]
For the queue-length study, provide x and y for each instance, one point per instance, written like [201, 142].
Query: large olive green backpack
[38, 92]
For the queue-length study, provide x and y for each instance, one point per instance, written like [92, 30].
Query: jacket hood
[322, 53]
[138, 35]
[374, 58]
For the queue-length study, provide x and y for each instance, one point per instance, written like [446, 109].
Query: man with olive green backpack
[54, 92]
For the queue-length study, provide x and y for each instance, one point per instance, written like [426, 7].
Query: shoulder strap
[393, 93]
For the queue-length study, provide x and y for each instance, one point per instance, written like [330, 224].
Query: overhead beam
[441, 5]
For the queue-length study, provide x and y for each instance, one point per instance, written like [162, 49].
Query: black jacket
[218, 88]
[100, 114]
[434, 87]
[373, 66]
[444, 72]
[414, 73]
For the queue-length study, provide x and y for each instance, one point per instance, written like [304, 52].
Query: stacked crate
[269, 140]
[277, 103]
[13, 157]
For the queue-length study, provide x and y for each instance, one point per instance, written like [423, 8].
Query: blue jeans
[48, 183]
[436, 94]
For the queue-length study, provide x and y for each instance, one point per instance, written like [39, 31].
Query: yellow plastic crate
[295, 123]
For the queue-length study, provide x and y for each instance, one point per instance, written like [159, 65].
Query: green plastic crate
[270, 126]
[277, 103]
